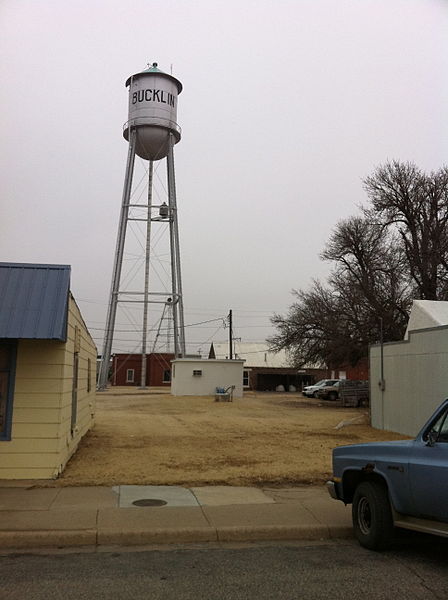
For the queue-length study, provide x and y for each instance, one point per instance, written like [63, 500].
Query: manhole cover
[149, 502]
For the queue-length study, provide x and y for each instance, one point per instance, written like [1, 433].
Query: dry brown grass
[153, 438]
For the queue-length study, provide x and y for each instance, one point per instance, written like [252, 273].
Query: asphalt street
[414, 569]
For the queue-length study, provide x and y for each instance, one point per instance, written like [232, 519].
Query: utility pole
[230, 336]
[381, 382]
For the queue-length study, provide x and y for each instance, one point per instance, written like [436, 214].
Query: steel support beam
[118, 262]
[147, 265]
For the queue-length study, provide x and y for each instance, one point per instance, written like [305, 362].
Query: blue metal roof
[34, 301]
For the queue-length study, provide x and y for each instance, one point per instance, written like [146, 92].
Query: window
[8, 352]
[130, 375]
[443, 431]
[246, 379]
[197, 373]
[75, 391]
[440, 428]
[77, 339]
[89, 375]
[167, 376]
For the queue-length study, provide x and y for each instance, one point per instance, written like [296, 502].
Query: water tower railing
[153, 122]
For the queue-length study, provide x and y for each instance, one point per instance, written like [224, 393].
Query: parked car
[329, 392]
[311, 391]
[395, 484]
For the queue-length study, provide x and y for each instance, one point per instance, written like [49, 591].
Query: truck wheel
[316, 395]
[333, 396]
[372, 516]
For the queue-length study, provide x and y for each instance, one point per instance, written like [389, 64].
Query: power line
[138, 330]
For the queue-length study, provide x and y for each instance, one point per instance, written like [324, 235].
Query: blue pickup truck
[395, 484]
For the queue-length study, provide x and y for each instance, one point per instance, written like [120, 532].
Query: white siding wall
[416, 378]
[215, 373]
[86, 398]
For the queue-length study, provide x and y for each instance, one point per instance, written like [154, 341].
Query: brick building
[358, 371]
[127, 369]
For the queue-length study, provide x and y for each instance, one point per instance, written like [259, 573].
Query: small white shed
[198, 377]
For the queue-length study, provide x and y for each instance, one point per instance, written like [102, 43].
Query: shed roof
[256, 354]
[426, 314]
[34, 301]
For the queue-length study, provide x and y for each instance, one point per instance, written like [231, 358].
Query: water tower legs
[178, 306]
[147, 265]
[117, 295]
[118, 263]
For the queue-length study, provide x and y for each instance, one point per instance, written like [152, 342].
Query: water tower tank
[153, 111]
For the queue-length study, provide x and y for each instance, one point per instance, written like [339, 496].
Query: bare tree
[334, 324]
[311, 327]
[396, 251]
[415, 204]
[368, 257]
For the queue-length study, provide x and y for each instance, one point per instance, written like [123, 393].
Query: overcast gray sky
[287, 105]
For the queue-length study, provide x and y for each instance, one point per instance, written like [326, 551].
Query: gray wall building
[415, 375]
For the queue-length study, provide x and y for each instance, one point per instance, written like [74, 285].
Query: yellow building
[47, 371]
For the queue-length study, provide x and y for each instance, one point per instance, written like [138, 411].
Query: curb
[43, 539]
[183, 535]
[276, 532]
[30, 540]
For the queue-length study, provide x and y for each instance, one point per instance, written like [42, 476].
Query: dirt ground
[262, 439]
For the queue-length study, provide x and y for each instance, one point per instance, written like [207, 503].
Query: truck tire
[333, 396]
[372, 516]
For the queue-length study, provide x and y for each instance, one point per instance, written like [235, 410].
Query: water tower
[152, 131]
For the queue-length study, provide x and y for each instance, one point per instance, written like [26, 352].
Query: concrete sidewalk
[132, 515]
